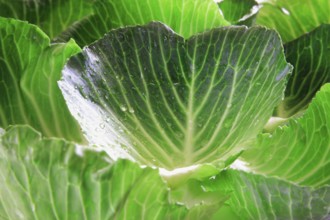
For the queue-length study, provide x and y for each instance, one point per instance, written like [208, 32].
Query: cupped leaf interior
[309, 55]
[173, 102]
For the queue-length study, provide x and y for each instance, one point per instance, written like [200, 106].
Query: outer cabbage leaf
[29, 70]
[52, 16]
[186, 17]
[293, 18]
[52, 179]
[258, 197]
[236, 10]
[172, 102]
[299, 151]
[309, 55]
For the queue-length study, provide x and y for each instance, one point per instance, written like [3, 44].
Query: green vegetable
[170, 111]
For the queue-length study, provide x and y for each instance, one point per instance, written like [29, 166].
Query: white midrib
[190, 125]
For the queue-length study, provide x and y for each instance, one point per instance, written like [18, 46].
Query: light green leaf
[258, 197]
[293, 18]
[52, 179]
[309, 55]
[52, 16]
[235, 10]
[202, 204]
[29, 70]
[186, 17]
[300, 151]
[172, 102]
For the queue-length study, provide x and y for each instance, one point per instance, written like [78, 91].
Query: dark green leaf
[52, 16]
[173, 102]
[235, 10]
[309, 55]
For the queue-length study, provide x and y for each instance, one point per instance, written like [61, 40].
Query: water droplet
[285, 11]
[123, 108]
[121, 37]
[125, 148]
[102, 125]
[212, 178]
[76, 87]
[179, 203]
[131, 110]
[165, 38]
[107, 119]
[19, 214]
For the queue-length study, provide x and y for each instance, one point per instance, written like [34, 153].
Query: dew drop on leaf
[123, 108]
[131, 110]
